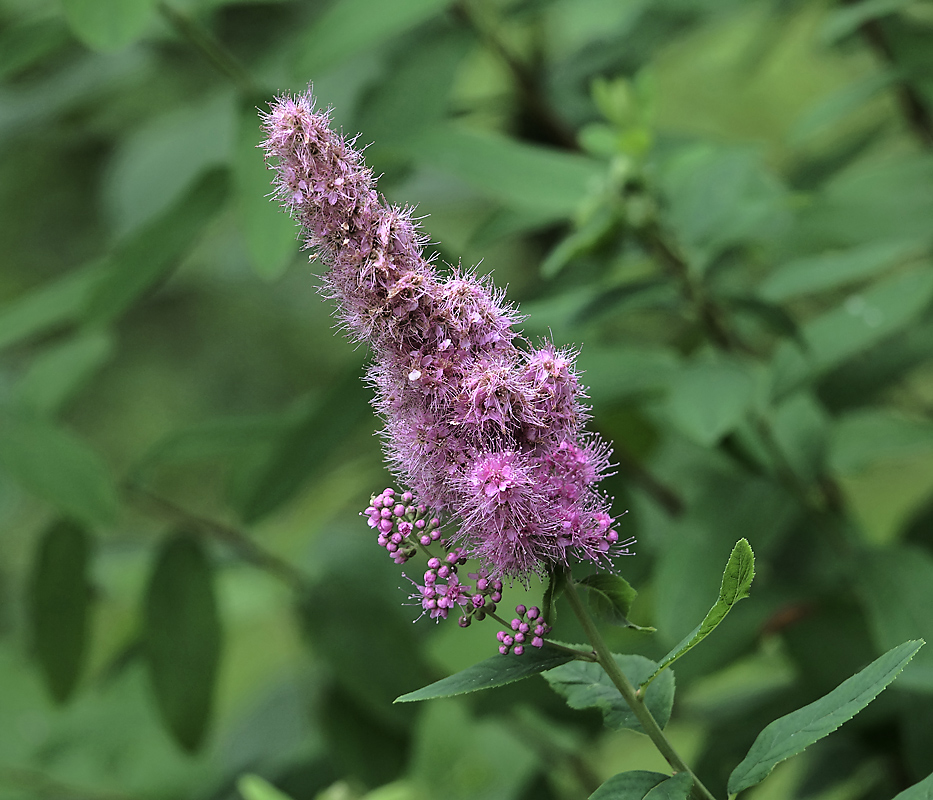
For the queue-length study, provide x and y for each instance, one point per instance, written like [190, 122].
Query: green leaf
[108, 26]
[610, 597]
[801, 428]
[497, 670]
[59, 606]
[271, 234]
[736, 583]
[585, 684]
[25, 43]
[581, 241]
[772, 316]
[303, 451]
[349, 27]
[518, 175]
[58, 467]
[252, 787]
[677, 787]
[150, 254]
[812, 274]
[182, 638]
[53, 304]
[896, 587]
[556, 583]
[863, 437]
[791, 734]
[61, 371]
[846, 20]
[618, 373]
[919, 791]
[633, 785]
[709, 398]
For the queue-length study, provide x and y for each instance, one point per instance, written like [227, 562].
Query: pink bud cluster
[479, 424]
[528, 626]
[443, 591]
[402, 524]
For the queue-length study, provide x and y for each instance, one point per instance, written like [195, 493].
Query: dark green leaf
[847, 19]
[182, 638]
[864, 437]
[582, 240]
[149, 255]
[709, 398]
[303, 451]
[647, 293]
[58, 467]
[584, 684]
[791, 734]
[350, 26]
[498, 670]
[770, 315]
[919, 791]
[557, 581]
[107, 26]
[633, 785]
[59, 606]
[26, 43]
[736, 582]
[271, 235]
[610, 597]
[617, 373]
[677, 787]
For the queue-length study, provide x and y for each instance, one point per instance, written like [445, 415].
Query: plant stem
[635, 701]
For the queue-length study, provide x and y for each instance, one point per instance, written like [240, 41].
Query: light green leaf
[271, 234]
[584, 684]
[919, 791]
[350, 26]
[617, 373]
[709, 398]
[182, 638]
[147, 256]
[836, 268]
[519, 175]
[610, 596]
[59, 606]
[633, 785]
[736, 583]
[498, 670]
[252, 787]
[791, 734]
[863, 437]
[61, 371]
[801, 428]
[846, 20]
[108, 26]
[58, 467]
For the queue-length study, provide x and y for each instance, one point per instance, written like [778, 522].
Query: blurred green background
[727, 205]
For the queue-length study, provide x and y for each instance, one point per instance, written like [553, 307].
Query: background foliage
[728, 204]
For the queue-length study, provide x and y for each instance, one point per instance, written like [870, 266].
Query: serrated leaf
[351, 26]
[919, 791]
[611, 597]
[302, 453]
[736, 582]
[709, 398]
[252, 787]
[56, 466]
[498, 670]
[585, 684]
[59, 606]
[271, 234]
[107, 26]
[791, 734]
[633, 785]
[147, 256]
[182, 638]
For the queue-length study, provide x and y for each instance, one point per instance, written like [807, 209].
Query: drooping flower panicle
[480, 425]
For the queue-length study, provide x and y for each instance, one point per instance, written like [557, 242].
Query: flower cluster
[402, 524]
[482, 426]
[528, 624]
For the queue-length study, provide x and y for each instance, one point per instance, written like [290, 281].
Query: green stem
[635, 701]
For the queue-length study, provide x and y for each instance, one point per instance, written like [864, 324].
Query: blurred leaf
[647, 293]
[770, 315]
[59, 606]
[614, 373]
[107, 26]
[582, 240]
[861, 438]
[271, 234]
[584, 684]
[718, 198]
[55, 303]
[863, 320]
[847, 19]
[497, 670]
[556, 583]
[801, 428]
[349, 27]
[833, 269]
[610, 597]
[25, 43]
[919, 791]
[59, 372]
[158, 163]
[629, 786]
[791, 734]
[709, 398]
[58, 467]
[303, 451]
[896, 586]
[147, 256]
[519, 175]
[252, 787]
[736, 583]
[182, 638]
